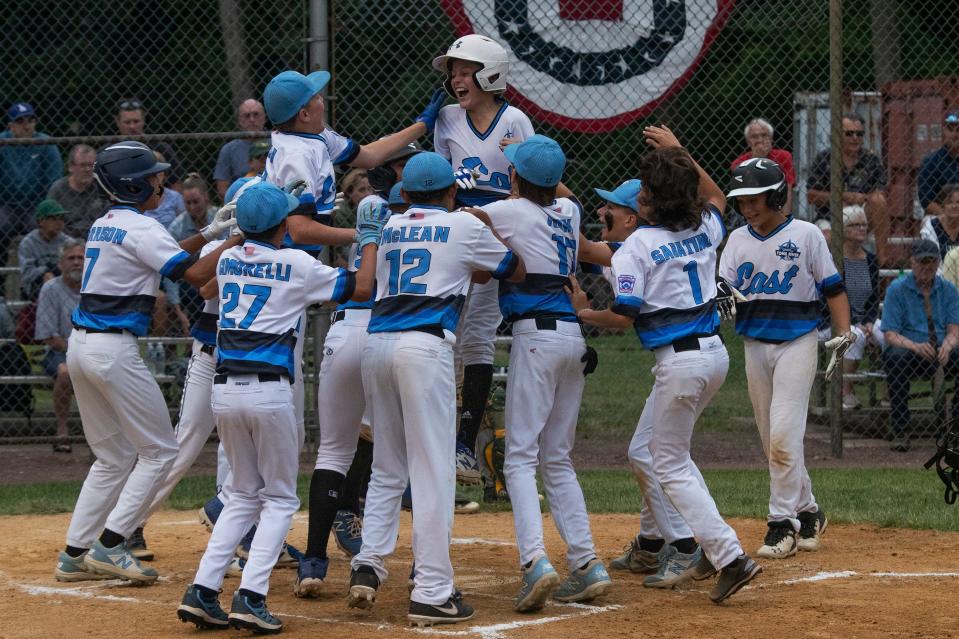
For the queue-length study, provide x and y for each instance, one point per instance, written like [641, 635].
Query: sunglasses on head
[130, 105]
[854, 134]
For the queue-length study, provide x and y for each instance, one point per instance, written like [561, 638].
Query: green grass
[902, 498]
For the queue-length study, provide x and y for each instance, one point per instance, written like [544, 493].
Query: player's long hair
[541, 195]
[671, 189]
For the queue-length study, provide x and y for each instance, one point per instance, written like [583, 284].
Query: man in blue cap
[26, 172]
[265, 289]
[427, 258]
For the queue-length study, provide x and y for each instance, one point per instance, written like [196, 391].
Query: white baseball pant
[780, 378]
[685, 384]
[257, 425]
[544, 388]
[476, 333]
[410, 391]
[340, 400]
[127, 426]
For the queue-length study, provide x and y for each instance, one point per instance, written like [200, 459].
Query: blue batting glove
[371, 219]
[432, 110]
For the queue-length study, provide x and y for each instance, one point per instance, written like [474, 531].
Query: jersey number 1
[693, 273]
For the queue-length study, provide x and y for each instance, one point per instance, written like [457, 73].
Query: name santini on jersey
[685, 247]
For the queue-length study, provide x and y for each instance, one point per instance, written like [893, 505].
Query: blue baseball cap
[396, 198]
[263, 206]
[537, 159]
[234, 189]
[624, 195]
[427, 171]
[289, 92]
[20, 110]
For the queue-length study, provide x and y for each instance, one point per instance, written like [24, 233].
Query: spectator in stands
[943, 227]
[26, 172]
[58, 297]
[78, 193]
[356, 186]
[39, 252]
[940, 167]
[759, 139]
[909, 352]
[171, 203]
[864, 177]
[257, 163]
[131, 120]
[861, 274]
[199, 212]
[233, 160]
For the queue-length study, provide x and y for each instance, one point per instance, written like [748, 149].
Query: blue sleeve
[892, 310]
[349, 153]
[54, 167]
[627, 305]
[222, 169]
[951, 303]
[177, 265]
[506, 267]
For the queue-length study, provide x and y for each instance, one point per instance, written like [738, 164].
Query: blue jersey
[126, 254]
[424, 266]
[263, 292]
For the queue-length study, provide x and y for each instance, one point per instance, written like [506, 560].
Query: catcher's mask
[946, 461]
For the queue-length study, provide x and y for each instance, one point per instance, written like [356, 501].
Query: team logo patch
[626, 283]
[594, 65]
[788, 251]
[249, 250]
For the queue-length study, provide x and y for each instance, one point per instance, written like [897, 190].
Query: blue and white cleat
[467, 468]
[348, 532]
[675, 568]
[247, 615]
[540, 581]
[310, 575]
[74, 569]
[203, 611]
[585, 584]
[118, 562]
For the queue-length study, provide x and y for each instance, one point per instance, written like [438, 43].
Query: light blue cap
[537, 159]
[624, 195]
[396, 198]
[289, 92]
[233, 188]
[427, 171]
[263, 206]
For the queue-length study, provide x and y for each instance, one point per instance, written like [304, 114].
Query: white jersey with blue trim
[666, 280]
[456, 139]
[204, 328]
[424, 265]
[355, 258]
[126, 254]
[547, 239]
[263, 291]
[781, 275]
[309, 157]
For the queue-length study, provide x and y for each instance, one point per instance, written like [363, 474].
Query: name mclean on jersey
[682, 248]
[417, 234]
[265, 270]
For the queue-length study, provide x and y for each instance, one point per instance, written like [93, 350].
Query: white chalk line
[845, 574]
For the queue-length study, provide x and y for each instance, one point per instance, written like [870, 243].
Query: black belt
[550, 324]
[208, 349]
[99, 330]
[263, 377]
[431, 330]
[337, 316]
[691, 342]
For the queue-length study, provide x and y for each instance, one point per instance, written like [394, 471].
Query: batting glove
[223, 221]
[838, 345]
[466, 178]
[590, 359]
[432, 110]
[370, 221]
[295, 187]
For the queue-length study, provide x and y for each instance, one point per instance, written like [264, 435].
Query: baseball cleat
[467, 468]
[211, 512]
[235, 569]
[348, 532]
[811, 527]
[310, 575]
[118, 562]
[453, 611]
[540, 581]
[465, 506]
[74, 569]
[138, 546]
[290, 556]
[203, 611]
[702, 569]
[780, 541]
[676, 568]
[243, 549]
[737, 574]
[363, 586]
[584, 584]
[406, 501]
[635, 559]
[247, 615]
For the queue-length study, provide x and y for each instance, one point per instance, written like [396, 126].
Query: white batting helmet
[482, 50]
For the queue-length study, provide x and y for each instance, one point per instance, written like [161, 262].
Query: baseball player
[780, 265]
[666, 289]
[471, 135]
[425, 263]
[546, 377]
[263, 290]
[125, 419]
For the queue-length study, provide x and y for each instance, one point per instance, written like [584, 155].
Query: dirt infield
[866, 582]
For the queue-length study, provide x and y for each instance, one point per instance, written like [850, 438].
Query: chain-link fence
[732, 79]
